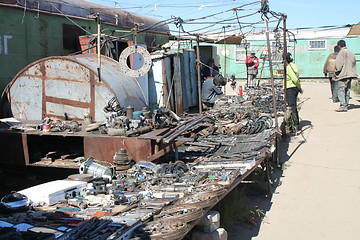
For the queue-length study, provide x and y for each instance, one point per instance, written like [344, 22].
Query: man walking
[329, 70]
[345, 71]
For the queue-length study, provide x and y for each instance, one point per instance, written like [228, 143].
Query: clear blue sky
[301, 13]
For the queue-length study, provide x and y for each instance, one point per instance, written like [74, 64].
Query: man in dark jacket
[211, 88]
[252, 64]
[345, 71]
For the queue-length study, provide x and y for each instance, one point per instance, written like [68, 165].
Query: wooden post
[284, 57]
[98, 46]
[271, 72]
[198, 72]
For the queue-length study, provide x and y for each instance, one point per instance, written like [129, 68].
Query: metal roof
[87, 10]
[355, 30]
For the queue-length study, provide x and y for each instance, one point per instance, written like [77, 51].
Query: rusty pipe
[185, 128]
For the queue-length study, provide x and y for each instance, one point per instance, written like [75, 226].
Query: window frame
[240, 49]
[317, 48]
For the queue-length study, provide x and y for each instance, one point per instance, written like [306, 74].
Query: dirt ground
[317, 195]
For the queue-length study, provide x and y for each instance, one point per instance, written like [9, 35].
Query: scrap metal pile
[150, 200]
[119, 122]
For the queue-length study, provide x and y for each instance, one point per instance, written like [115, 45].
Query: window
[318, 44]
[240, 52]
[71, 35]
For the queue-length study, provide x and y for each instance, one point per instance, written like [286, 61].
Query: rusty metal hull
[69, 86]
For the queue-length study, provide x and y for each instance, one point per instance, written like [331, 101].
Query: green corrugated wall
[310, 62]
[27, 36]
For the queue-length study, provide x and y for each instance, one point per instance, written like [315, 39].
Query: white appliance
[51, 192]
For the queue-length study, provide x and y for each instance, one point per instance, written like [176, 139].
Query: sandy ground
[319, 194]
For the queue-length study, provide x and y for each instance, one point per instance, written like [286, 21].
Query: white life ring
[132, 50]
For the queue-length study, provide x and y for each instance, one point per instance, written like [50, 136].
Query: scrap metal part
[162, 229]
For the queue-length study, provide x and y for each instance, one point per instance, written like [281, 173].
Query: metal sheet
[73, 90]
[71, 85]
[104, 148]
[193, 76]
[156, 84]
[53, 110]
[178, 88]
[67, 70]
[355, 30]
[26, 103]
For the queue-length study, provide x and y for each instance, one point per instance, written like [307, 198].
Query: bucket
[137, 114]
[46, 128]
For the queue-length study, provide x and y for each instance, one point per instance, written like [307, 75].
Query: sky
[300, 14]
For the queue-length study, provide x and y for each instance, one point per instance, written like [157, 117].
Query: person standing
[345, 71]
[293, 87]
[329, 68]
[252, 64]
[210, 69]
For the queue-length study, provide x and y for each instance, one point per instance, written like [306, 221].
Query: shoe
[341, 110]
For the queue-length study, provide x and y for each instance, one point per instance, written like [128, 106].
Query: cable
[70, 19]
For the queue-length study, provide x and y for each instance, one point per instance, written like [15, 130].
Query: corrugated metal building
[34, 29]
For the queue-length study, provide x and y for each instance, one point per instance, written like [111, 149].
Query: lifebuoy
[132, 50]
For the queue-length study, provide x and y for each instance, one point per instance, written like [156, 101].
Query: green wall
[309, 62]
[26, 37]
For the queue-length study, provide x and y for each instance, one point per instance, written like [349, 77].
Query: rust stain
[43, 71]
[92, 95]
[62, 117]
[67, 102]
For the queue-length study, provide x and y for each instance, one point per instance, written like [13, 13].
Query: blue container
[137, 114]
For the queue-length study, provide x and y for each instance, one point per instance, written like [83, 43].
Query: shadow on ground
[256, 201]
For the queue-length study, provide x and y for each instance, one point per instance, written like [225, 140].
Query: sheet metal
[355, 30]
[70, 86]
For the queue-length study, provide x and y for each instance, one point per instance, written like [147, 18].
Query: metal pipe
[198, 73]
[201, 144]
[271, 73]
[98, 45]
[184, 129]
[171, 131]
[284, 58]
[247, 72]
[225, 75]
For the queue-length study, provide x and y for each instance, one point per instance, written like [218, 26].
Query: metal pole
[198, 72]
[247, 73]
[99, 46]
[284, 57]
[225, 54]
[271, 72]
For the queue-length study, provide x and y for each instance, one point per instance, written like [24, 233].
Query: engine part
[130, 111]
[203, 200]
[184, 212]
[96, 169]
[162, 229]
[121, 159]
